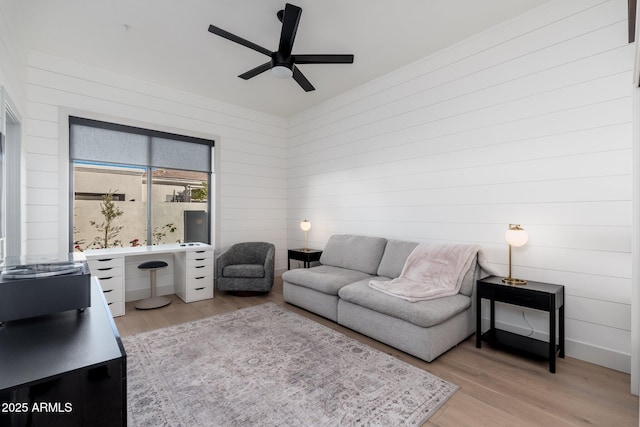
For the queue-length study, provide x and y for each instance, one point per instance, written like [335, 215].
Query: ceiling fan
[283, 63]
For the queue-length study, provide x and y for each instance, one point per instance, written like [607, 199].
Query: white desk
[189, 275]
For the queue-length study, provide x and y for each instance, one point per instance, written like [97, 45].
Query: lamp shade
[305, 225]
[516, 235]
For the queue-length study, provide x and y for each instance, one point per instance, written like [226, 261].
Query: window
[134, 186]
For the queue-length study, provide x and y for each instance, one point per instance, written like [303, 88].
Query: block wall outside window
[110, 204]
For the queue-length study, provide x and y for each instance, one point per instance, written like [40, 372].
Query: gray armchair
[246, 267]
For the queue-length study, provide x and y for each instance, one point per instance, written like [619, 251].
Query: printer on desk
[41, 285]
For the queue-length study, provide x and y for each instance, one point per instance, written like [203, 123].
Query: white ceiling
[167, 42]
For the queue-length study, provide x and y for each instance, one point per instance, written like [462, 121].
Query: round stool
[154, 301]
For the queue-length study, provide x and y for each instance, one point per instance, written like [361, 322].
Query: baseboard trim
[599, 356]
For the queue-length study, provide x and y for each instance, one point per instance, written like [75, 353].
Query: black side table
[540, 296]
[306, 255]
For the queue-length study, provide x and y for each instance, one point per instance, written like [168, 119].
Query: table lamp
[515, 236]
[305, 226]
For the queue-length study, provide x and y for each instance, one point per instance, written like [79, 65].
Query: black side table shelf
[536, 295]
[305, 255]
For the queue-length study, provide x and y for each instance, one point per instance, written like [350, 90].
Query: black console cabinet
[64, 369]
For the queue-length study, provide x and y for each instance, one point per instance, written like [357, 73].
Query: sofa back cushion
[395, 255]
[360, 253]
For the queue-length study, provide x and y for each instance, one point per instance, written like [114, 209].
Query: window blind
[97, 141]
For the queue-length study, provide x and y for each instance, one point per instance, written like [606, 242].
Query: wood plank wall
[13, 56]
[13, 66]
[250, 149]
[527, 123]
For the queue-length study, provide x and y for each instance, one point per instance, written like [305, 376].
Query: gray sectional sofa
[339, 290]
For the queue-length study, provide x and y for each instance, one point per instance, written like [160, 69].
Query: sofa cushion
[323, 278]
[361, 253]
[243, 270]
[395, 255]
[422, 313]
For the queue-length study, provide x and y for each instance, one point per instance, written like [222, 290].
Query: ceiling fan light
[281, 71]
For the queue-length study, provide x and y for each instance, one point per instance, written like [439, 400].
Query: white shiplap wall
[13, 53]
[13, 66]
[527, 123]
[250, 151]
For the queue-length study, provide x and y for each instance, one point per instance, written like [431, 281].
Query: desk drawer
[200, 292]
[517, 296]
[110, 283]
[117, 308]
[199, 255]
[199, 262]
[101, 263]
[199, 271]
[112, 292]
[200, 281]
[105, 272]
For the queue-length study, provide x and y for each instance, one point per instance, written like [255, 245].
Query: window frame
[151, 133]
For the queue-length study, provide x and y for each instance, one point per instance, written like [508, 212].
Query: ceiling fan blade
[302, 80]
[323, 59]
[290, 22]
[254, 72]
[227, 35]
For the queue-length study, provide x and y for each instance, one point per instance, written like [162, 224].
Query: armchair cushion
[243, 270]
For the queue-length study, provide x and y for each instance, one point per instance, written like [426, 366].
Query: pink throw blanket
[432, 271]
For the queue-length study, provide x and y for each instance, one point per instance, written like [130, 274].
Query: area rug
[267, 366]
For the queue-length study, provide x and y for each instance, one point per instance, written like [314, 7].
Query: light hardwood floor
[496, 388]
